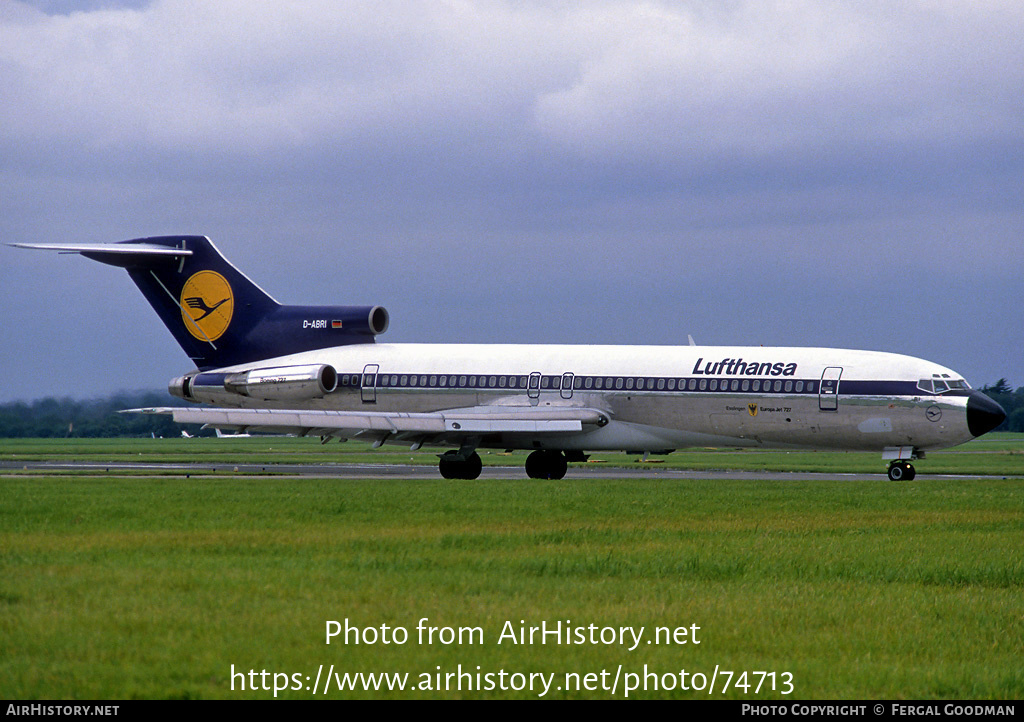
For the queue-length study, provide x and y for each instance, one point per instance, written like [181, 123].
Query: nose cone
[983, 414]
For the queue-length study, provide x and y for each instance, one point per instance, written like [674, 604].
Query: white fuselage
[657, 397]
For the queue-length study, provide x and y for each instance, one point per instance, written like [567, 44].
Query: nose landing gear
[901, 471]
[900, 468]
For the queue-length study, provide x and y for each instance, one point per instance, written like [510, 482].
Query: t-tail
[218, 316]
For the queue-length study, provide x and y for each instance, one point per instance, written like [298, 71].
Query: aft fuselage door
[828, 392]
[368, 387]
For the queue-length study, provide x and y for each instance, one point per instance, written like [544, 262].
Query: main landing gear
[458, 465]
[545, 464]
[541, 464]
[900, 470]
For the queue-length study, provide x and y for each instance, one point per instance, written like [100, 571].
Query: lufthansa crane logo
[207, 304]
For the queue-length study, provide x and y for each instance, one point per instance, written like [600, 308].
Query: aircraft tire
[558, 466]
[533, 465]
[452, 467]
[544, 464]
[472, 467]
[447, 467]
[901, 471]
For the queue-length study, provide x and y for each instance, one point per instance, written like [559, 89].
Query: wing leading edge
[450, 426]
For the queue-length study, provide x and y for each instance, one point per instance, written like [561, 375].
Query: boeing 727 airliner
[318, 371]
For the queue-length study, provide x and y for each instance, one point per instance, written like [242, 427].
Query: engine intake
[378, 320]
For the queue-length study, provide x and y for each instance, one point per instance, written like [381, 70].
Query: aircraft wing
[450, 426]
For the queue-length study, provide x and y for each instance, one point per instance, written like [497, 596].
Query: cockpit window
[938, 386]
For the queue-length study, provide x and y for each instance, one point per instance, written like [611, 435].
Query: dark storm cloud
[782, 173]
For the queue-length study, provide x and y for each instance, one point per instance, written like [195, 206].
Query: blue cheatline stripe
[636, 384]
[209, 378]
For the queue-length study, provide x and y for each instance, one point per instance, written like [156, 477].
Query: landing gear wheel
[901, 471]
[453, 467]
[448, 468]
[473, 466]
[546, 465]
[535, 465]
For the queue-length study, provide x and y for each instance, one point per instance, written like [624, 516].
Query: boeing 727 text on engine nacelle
[318, 371]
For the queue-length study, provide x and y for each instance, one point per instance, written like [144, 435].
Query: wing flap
[454, 422]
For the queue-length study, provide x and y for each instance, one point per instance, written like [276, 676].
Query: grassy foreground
[123, 587]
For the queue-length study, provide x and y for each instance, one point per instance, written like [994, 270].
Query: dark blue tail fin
[217, 314]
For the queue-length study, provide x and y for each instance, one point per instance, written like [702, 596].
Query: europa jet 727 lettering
[319, 371]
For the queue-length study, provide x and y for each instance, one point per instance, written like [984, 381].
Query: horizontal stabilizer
[123, 249]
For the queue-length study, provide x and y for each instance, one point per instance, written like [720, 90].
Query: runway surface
[427, 473]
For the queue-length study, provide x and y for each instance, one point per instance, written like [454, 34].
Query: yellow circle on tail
[207, 304]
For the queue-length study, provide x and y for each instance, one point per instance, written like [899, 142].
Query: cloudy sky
[806, 173]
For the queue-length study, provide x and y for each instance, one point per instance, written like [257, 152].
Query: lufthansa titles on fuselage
[739, 367]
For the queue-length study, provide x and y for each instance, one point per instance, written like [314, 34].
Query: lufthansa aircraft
[318, 371]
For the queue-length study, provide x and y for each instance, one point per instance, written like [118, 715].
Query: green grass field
[125, 586]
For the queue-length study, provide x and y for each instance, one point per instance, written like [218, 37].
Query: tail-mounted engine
[281, 383]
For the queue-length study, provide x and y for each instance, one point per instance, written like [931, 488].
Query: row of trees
[1011, 401]
[57, 418]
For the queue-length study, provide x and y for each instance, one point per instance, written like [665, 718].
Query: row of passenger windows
[600, 383]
